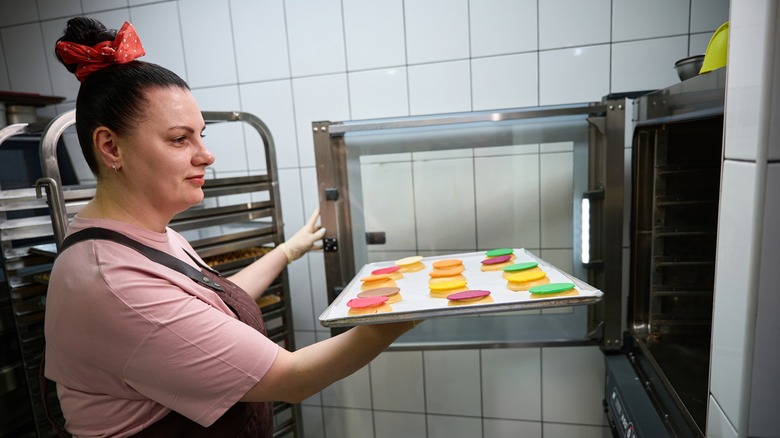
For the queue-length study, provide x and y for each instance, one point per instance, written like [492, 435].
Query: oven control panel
[630, 412]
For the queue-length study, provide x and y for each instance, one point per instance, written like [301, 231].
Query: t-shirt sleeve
[194, 358]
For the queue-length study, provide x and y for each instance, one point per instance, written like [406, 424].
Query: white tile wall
[455, 56]
[573, 75]
[556, 184]
[397, 424]
[507, 201]
[553, 430]
[301, 296]
[48, 9]
[26, 63]
[511, 428]
[16, 12]
[647, 64]
[353, 391]
[697, 44]
[436, 30]
[707, 15]
[161, 35]
[509, 81]
[397, 382]
[374, 33]
[319, 288]
[313, 421]
[572, 385]
[91, 6]
[348, 423]
[207, 35]
[379, 93]
[439, 88]
[441, 426]
[444, 204]
[572, 23]
[272, 103]
[511, 388]
[498, 27]
[316, 37]
[635, 19]
[452, 382]
[317, 98]
[261, 48]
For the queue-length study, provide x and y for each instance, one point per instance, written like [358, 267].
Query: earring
[113, 166]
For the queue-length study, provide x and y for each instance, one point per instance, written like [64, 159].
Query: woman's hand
[303, 241]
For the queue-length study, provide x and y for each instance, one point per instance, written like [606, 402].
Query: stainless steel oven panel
[677, 159]
[339, 146]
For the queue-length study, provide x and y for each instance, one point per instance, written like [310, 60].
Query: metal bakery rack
[239, 220]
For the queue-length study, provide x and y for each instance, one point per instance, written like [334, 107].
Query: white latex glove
[303, 241]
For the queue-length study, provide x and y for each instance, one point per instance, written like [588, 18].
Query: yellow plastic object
[717, 50]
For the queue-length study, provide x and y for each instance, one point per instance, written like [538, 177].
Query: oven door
[457, 183]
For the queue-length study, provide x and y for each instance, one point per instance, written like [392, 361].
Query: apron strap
[43, 383]
[150, 253]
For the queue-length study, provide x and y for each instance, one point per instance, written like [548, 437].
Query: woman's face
[164, 159]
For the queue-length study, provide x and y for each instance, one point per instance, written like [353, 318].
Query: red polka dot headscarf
[125, 48]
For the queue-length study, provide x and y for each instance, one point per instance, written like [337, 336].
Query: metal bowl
[689, 67]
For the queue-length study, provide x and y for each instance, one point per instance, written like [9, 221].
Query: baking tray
[417, 303]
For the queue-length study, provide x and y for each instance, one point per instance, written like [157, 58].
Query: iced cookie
[496, 263]
[521, 267]
[523, 281]
[392, 293]
[410, 264]
[553, 290]
[368, 305]
[469, 297]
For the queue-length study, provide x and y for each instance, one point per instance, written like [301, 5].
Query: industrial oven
[622, 193]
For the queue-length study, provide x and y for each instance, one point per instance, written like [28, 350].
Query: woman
[135, 346]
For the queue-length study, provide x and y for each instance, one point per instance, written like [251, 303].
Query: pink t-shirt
[128, 340]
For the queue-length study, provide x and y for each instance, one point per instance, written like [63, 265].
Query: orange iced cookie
[376, 281]
[410, 264]
[496, 263]
[447, 272]
[448, 263]
[392, 293]
[393, 272]
[522, 281]
[368, 306]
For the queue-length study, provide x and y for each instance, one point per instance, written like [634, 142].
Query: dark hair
[112, 96]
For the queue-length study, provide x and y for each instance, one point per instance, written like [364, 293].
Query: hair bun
[86, 31]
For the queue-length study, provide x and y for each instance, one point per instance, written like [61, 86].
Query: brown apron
[243, 419]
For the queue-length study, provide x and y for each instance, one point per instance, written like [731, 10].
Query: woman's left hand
[304, 240]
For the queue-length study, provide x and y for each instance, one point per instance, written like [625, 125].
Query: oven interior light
[585, 237]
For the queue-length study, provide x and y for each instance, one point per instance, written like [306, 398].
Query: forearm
[256, 278]
[298, 375]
